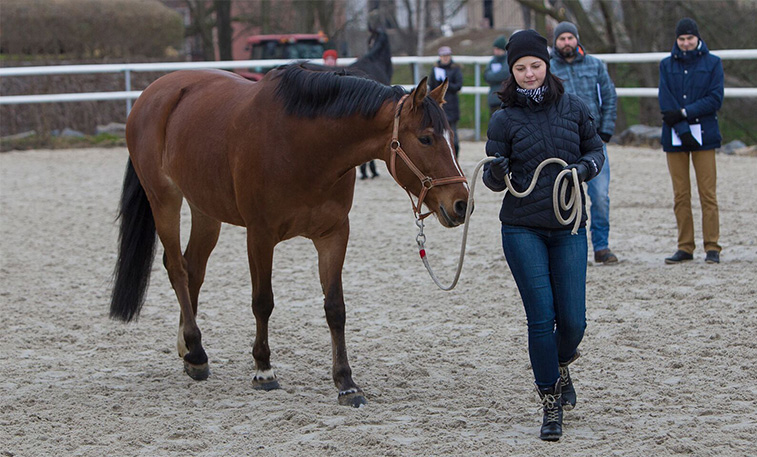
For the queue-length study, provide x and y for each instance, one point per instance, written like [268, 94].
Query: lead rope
[573, 204]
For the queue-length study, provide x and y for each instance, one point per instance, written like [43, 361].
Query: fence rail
[477, 89]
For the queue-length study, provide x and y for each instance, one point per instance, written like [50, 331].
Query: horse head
[422, 158]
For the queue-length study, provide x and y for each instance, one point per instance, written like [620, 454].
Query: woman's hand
[581, 168]
[499, 167]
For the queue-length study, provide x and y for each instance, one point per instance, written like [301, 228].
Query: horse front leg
[260, 254]
[331, 252]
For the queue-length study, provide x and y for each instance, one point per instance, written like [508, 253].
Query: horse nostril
[460, 207]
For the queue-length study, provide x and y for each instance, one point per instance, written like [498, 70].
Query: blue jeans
[549, 267]
[599, 193]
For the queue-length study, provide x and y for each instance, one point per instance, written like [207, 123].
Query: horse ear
[420, 91]
[438, 93]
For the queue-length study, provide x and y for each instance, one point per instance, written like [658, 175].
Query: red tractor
[296, 46]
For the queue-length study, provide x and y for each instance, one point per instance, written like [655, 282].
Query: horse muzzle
[456, 216]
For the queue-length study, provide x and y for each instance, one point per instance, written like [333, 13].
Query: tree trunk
[325, 10]
[201, 26]
[265, 16]
[223, 25]
[421, 28]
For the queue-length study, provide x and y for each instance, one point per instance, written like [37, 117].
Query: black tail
[136, 249]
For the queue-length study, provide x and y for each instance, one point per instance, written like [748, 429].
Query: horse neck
[375, 135]
[369, 138]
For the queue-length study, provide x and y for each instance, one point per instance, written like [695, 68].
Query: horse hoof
[270, 384]
[351, 398]
[197, 372]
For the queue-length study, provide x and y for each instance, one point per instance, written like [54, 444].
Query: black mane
[311, 91]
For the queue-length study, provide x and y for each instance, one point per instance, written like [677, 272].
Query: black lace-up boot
[568, 391]
[551, 426]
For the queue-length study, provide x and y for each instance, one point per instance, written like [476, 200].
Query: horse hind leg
[202, 240]
[167, 223]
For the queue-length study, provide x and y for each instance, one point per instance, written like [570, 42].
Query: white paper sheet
[696, 132]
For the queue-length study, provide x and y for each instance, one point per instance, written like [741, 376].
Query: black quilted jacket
[529, 133]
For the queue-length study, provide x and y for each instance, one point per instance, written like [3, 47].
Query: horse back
[181, 133]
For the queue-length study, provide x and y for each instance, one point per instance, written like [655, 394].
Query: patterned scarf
[537, 95]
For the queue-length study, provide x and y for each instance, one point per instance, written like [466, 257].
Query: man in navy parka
[690, 94]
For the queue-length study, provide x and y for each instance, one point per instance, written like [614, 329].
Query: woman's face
[529, 72]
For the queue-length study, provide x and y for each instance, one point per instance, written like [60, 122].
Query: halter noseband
[427, 182]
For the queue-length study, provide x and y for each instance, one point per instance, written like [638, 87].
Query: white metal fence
[478, 88]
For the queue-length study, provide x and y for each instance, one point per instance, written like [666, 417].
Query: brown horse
[277, 157]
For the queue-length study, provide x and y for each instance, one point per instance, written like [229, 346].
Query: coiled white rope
[573, 204]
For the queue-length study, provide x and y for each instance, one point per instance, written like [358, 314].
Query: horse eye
[425, 140]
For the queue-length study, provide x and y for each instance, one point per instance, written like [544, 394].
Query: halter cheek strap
[427, 182]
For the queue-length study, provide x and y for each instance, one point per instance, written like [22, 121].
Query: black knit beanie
[566, 27]
[687, 26]
[526, 43]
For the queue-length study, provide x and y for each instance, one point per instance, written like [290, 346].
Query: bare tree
[201, 28]
[223, 25]
[418, 15]
[421, 27]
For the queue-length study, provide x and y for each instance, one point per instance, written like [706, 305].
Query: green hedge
[89, 28]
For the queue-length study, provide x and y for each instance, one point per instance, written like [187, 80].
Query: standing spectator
[329, 57]
[547, 262]
[445, 68]
[496, 72]
[586, 76]
[690, 95]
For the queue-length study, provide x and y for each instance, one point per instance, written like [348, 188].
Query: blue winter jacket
[692, 80]
[587, 77]
[528, 133]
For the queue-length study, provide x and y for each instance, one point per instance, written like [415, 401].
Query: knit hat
[500, 42]
[330, 53]
[566, 27]
[445, 51]
[526, 43]
[687, 26]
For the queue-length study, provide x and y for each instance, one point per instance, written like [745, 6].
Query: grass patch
[103, 140]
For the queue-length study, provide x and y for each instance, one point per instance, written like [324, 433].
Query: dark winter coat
[528, 133]
[454, 73]
[692, 80]
[495, 74]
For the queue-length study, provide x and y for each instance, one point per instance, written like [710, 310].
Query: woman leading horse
[277, 157]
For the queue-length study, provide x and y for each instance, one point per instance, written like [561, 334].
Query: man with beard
[586, 76]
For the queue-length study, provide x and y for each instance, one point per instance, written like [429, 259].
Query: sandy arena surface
[668, 360]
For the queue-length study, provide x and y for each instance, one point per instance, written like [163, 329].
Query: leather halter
[426, 181]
